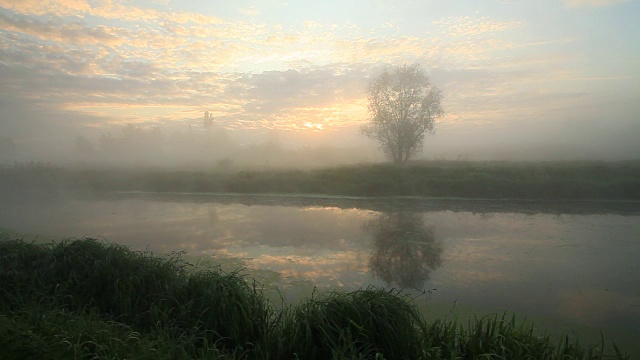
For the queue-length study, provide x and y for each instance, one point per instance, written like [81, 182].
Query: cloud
[83, 77]
[54, 30]
[107, 9]
[467, 26]
[185, 41]
[250, 11]
[89, 79]
[591, 3]
[316, 97]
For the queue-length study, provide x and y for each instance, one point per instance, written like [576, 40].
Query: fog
[33, 137]
[106, 84]
[32, 132]
[271, 131]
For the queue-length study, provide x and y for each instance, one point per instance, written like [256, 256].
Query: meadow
[90, 299]
[588, 180]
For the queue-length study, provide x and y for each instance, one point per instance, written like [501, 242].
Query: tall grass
[348, 325]
[501, 337]
[88, 299]
[147, 292]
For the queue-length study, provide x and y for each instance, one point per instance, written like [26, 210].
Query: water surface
[568, 262]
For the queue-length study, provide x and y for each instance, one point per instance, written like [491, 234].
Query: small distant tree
[131, 132]
[208, 120]
[404, 107]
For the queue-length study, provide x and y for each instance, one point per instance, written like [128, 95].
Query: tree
[405, 250]
[404, 107]
[208, 120]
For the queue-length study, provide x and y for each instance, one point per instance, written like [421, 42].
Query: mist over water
[580, 269]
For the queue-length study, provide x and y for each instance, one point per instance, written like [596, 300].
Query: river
[570, 266]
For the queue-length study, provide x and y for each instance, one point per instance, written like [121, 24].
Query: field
[87, 299]
[452, 179]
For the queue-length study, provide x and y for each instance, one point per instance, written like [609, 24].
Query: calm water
[562, 262]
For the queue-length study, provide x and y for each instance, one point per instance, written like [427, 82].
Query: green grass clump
[499, 337]
[88, 299]
[360, 323]
[40, 333]
[146, 292]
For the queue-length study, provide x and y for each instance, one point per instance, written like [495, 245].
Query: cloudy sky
[518, 76]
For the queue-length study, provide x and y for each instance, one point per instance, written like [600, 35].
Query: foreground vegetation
[462, 179]
[86, 299]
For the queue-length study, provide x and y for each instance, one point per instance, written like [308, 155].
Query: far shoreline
[402, 203]
[587, 181]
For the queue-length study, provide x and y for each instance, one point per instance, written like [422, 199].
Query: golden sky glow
[510, 68]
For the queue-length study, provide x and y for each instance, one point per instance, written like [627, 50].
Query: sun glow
[316, 127]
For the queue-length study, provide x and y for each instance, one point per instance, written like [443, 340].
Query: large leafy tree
[404, 107]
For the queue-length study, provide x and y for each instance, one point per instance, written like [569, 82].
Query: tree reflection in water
[405, 250]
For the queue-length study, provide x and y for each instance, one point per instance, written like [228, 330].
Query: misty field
[457, 179]
[86, 299]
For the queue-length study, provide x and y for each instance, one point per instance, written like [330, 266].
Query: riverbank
[87, 299]
[618, 181]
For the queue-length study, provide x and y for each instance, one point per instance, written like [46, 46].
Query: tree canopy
[404, 107]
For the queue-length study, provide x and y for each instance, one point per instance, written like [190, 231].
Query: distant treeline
[460, 179]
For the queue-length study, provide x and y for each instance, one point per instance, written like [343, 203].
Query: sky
[521, 79]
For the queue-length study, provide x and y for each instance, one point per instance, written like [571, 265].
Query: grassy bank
[85, 299]
[490, 180]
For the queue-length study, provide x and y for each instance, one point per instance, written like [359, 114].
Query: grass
[360, 323]
[586, 180]
[143, 291]
[88, 299]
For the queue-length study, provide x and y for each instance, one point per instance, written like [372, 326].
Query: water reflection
[405, 250]
[578, 268]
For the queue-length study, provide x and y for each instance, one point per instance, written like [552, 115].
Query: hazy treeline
[187, 147]
[464, 179]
